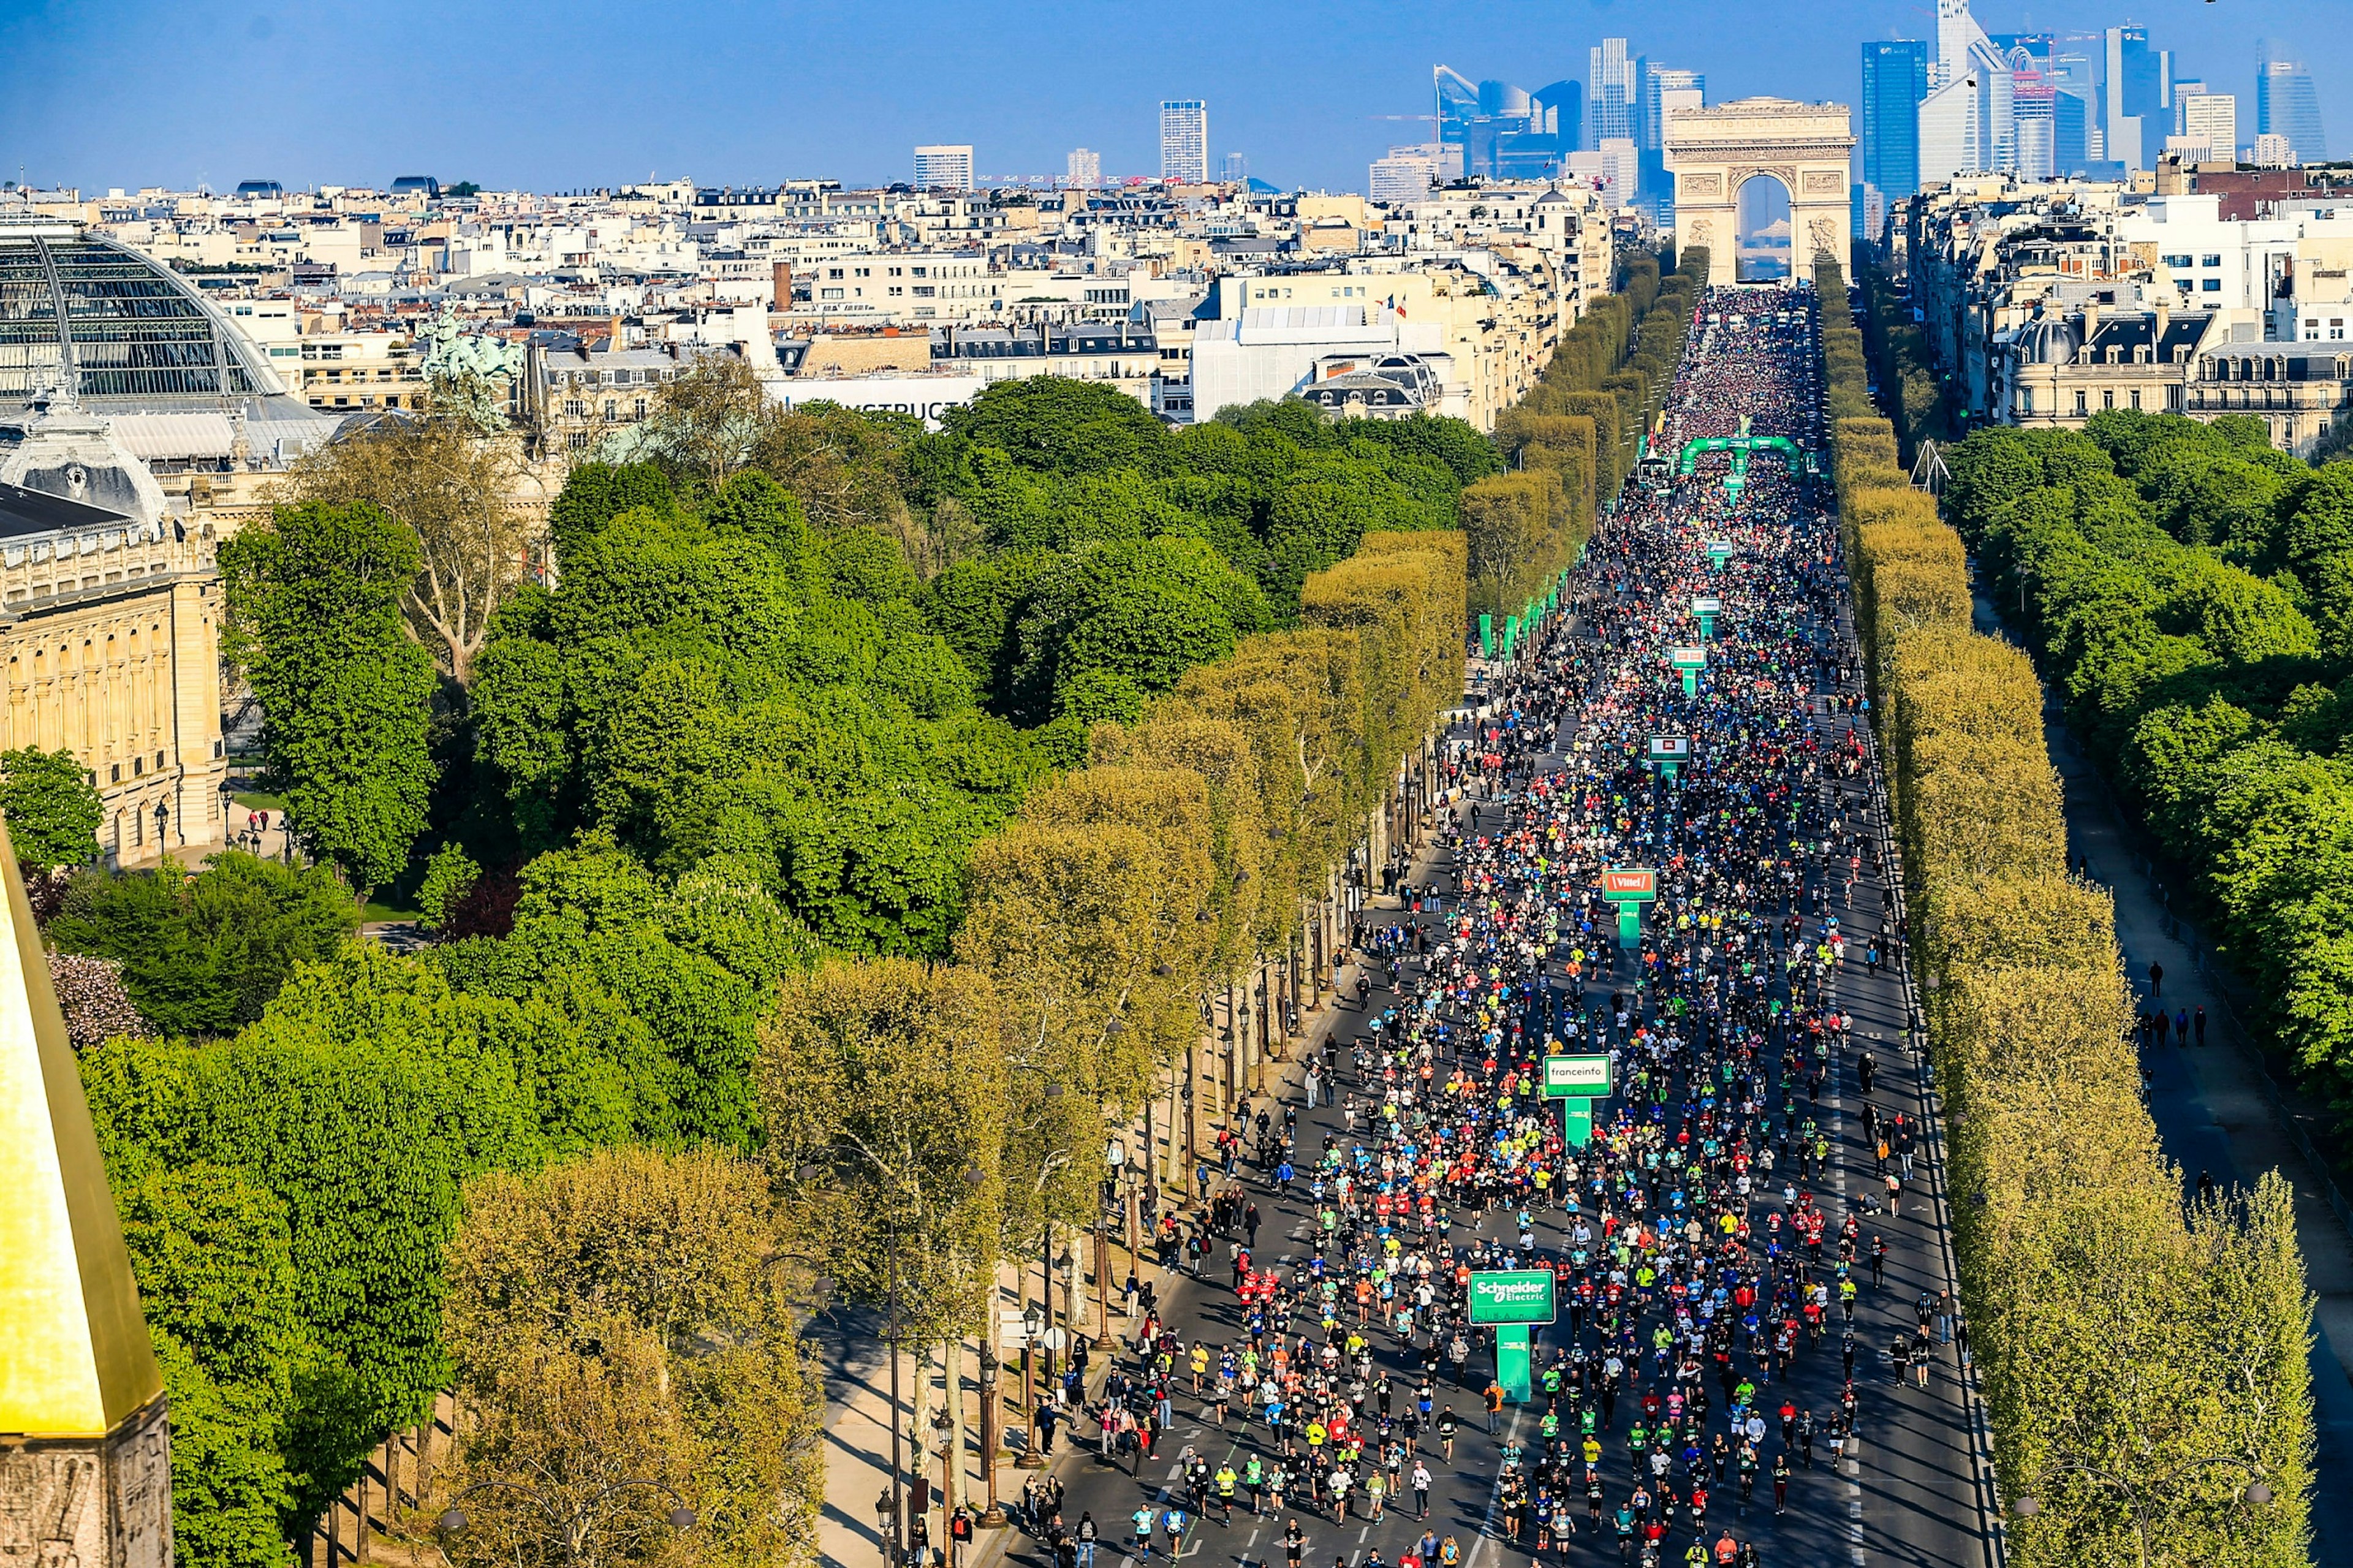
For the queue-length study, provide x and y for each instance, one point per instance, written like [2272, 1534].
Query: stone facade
[1713, 152]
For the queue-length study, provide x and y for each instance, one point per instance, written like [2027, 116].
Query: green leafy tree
[212, 1255]
[205, 954]
[52, 809]
[314, 622]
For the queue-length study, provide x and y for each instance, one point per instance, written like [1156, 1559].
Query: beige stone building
[110, 632]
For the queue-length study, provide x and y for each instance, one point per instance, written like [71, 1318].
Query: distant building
[2209, 119]
[945, 166]
[1234, 169]
[1409, 174]
[1894, 80]
[2273, 150]
[1610, 91]
[2286, 105]
[1185, 140]
[1085, 169]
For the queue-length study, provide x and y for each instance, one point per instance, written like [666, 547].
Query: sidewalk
[2214, 1117]
[856, 1363]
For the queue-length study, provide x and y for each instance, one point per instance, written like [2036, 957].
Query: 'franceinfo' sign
[1512, 1296]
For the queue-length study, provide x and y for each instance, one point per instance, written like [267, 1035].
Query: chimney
[621, 334]
[2164, 319]
[2090, 320]
[782, 272]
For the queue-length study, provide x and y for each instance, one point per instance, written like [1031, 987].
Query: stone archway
[1715, 151]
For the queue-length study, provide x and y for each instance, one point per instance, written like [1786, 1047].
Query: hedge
[2115, 1329]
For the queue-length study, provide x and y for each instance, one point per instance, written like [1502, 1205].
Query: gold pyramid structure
[85, 1447]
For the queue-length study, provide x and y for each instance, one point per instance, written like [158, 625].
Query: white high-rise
[1609, 93]
[943, 166]
[1185, 140]
[1085, 169]
[2209, 119]
[1968, 122]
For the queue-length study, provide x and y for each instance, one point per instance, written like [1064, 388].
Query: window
[2173, 398]
[828, 294]
[2107, 397]
[2177, 262]
[2136, 397]
[2079, 409]
[574, 408]
[641, 408]
[2212, 261]
[114, 774]
[609, 406]
[2026, 400]
[2209, 285]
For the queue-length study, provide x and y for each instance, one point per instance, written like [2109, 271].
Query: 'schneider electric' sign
[1512, 1296]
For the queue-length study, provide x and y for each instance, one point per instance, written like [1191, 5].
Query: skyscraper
[1085, 169]
[2210, 120]
[1609, 92]
[1559, 111]
[1663, 90]
[943, 166]
[2285, 103]
[2135, 98]
[1968, 123]
[1657, 80]
[1185, 140]
[1894, 80]
[1495, 131]
[1234, 169]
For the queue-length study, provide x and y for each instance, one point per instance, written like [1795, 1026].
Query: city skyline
[75, 109]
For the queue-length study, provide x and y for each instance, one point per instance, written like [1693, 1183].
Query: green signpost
[1719, 551]
[1486, 636]
[1706, 607]
[1669, 752]
[1630, 888]
[1576, 1082]
[1510, 1300]
[1690, 661]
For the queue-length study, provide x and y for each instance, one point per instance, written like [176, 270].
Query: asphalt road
[1908, 1494]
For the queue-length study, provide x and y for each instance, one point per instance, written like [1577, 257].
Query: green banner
[1512, 1296]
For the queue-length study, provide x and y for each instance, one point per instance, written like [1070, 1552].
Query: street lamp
[2256, 1491]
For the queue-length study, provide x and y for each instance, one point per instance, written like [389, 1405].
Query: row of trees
[2191, 594]
[1574, 438]
[2137, 1357]
[747, 722]
[1909, 388]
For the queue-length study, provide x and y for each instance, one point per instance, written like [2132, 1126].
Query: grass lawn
[254, 801]
[377, 909]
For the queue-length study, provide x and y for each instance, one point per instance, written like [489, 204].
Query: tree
[619, 1317]
[708, 419]
[1052, 425]
[213, 1263]
[883, 1081]
[205, 954]
[52, 809]
[314, 622]
[460, 493]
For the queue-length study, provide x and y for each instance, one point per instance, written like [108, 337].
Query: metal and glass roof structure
[123, 331]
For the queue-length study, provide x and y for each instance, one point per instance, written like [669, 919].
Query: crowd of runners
[1711, 1241]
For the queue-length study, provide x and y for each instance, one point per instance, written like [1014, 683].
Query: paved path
[2213, 1117]
[1912, 1495]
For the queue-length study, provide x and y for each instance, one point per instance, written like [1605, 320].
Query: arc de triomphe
[1715, 151]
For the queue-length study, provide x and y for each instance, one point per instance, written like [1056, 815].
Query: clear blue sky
[529, 93]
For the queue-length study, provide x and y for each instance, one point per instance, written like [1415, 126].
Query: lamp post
[571, 1530]
[2136, 1497]
[891, 1509]
[994, 1515]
